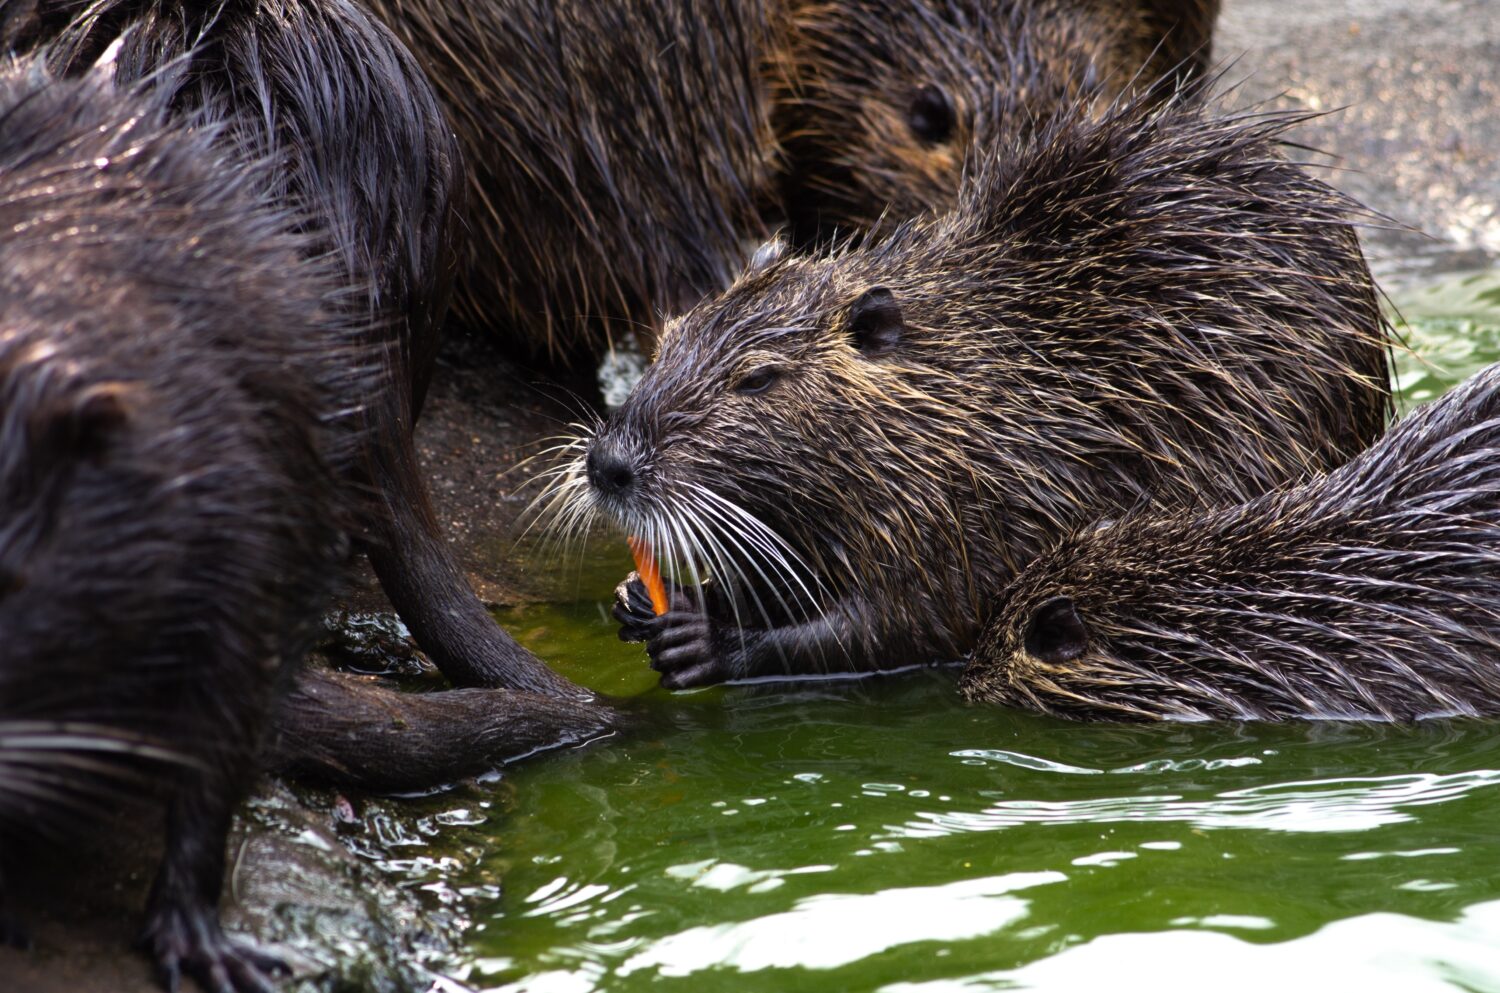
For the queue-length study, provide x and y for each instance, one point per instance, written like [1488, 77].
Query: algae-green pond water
[879, 835]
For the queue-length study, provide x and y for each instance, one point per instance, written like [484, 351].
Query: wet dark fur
[180, 398]
[619, 155]
[320, 87]
[880, 105]
[622, 156]
[1151, 306]
[1367, 593]
[351, 731]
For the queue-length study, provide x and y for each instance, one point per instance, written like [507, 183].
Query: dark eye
[931, 115]
[758, 380]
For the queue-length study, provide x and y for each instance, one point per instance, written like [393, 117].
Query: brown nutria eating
[861, 449]
[624, 158]
[364, 148]
[1361, 594]
[880, 105]
[180, 402]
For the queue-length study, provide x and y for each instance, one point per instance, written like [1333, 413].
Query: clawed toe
[185, 942]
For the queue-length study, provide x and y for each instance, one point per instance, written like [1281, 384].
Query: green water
[877, 835]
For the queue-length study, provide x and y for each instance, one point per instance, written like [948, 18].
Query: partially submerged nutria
[1366, 593]
[323, 89]
[863, 448]
[880, 105]
[625, 157]
[180, 406]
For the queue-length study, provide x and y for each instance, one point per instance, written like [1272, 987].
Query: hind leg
[182, 933]
[419, 574]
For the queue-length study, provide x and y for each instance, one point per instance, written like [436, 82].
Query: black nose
[610, 474]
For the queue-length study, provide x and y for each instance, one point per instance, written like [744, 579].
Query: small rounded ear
[91, 425]
[766, 253]
[1055, 632]
[875, 323]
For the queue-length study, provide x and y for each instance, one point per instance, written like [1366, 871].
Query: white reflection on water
[1349, 804]
[834, 929]
[1376, 953]
[725, 876]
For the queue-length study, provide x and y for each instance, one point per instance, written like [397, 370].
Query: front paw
[633, 609]
[182, 939]
[683, 648]
[684, 644]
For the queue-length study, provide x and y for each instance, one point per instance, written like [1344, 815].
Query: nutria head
[1363, 593]
[1146, 307]
[879, 105]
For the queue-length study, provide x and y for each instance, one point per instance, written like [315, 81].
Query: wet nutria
[180, 405]
[879, 105]
[324, 89]
[622, 156]
[1366, 593]
[863, 448]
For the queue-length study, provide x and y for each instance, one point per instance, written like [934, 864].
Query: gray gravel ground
[1413, 87]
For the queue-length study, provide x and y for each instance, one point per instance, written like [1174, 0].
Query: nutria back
[623, 158]
[619, 155]
[1149, 307]
[1365, 593]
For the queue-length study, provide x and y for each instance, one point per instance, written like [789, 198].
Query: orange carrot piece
[645, 564]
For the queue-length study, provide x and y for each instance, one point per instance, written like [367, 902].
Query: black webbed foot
[188, 940]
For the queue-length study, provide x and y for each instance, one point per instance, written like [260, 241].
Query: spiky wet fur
[180, 391]
[619, 156]
[1366, 593]
[850, 70]
[622, 156]
[1152, 306]
[324, 89]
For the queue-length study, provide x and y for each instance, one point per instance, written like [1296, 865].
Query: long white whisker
[775, 548]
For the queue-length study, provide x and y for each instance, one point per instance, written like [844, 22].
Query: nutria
[879, 104]
[180, 401]
[624, 157]
[324, 89]
[863, 447]
[620, 155]
[1365, 593]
